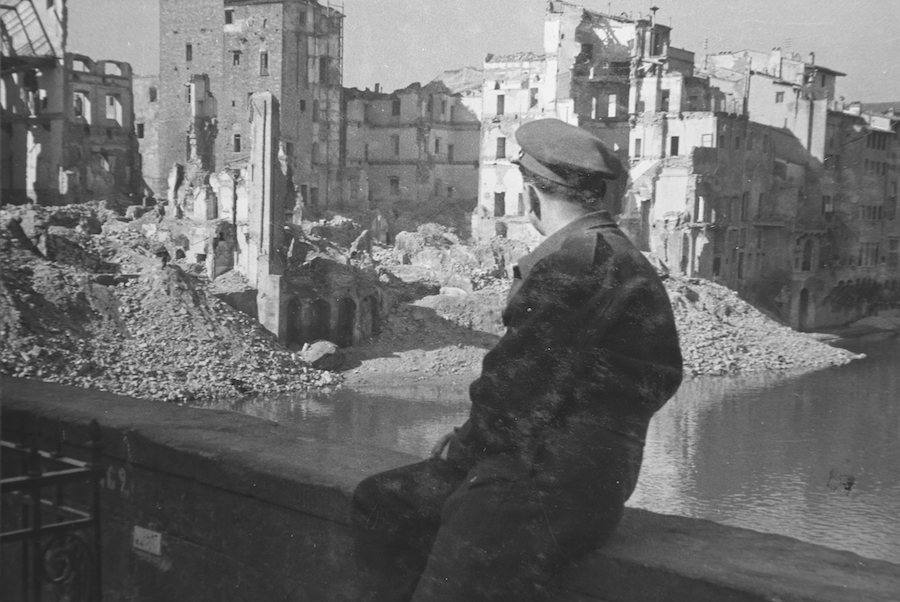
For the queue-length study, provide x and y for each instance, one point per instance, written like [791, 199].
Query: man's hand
[439, 451]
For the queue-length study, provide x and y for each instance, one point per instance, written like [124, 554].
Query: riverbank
[442, 338]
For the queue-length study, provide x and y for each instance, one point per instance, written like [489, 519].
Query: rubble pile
[722, 334]
[104, 312]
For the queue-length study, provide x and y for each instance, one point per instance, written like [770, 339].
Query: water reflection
[814, 456]
[767, 452]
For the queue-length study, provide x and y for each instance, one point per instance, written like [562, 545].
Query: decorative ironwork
[58, 534]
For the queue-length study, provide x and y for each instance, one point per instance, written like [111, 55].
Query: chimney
[377, 88]
[812, 58]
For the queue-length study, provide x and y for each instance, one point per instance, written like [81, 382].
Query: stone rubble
[106, 314]
[720, 333]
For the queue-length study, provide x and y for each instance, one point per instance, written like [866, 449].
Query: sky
[397, 42]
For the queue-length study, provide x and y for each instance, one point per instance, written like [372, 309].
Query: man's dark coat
[540, 472]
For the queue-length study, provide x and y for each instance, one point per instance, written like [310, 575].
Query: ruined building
[66, 119]
[744, 168]
[412, 155]
[769, 189]
[591, 74]
[215, 54]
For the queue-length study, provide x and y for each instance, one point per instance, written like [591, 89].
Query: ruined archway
[343, 332]
[368, 316]
[318, 322]
[294, 322]
[803, 314]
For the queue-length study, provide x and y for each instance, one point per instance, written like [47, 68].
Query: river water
[815, 456]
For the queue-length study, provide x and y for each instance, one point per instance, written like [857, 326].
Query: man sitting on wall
[540, 472]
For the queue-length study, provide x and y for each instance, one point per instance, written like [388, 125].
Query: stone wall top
[650, 557]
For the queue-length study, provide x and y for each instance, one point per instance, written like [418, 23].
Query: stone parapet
[248, 510]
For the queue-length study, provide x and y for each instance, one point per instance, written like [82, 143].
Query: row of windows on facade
[868, 254]
[325, 63]
[706, 141]
[394, 187]
[81, 106]
[532, 101]
[395, 148]
[396, 106]
[316, 114]
[879, 140]
[323, 23]
[878, 168]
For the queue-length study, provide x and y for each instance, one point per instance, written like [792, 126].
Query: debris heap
[88, 303]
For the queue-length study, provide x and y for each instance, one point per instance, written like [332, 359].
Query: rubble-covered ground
[85, 301]
[445, 336]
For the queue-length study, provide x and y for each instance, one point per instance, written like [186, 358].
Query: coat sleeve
[580, 337]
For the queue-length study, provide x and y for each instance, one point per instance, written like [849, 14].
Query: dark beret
[565, 154]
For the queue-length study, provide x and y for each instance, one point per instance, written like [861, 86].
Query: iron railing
[58, 534]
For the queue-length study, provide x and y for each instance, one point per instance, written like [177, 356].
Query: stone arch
[803, 313]
[346, 319]
[295, 322]
[318, 321]
[369, 319]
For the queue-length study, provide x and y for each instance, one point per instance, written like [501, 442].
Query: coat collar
[554, 242]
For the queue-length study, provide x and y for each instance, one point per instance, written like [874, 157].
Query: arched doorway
[319, 321]
[803, 314]
[343, 335]
[294, 322]
[368, 316]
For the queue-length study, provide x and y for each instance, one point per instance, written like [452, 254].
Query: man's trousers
[482, 535]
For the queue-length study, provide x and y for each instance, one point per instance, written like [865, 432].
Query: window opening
[499, 204]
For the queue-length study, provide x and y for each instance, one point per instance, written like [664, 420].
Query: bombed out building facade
[412, 154]
[67, 129]
[244, 140]
[744, 168]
